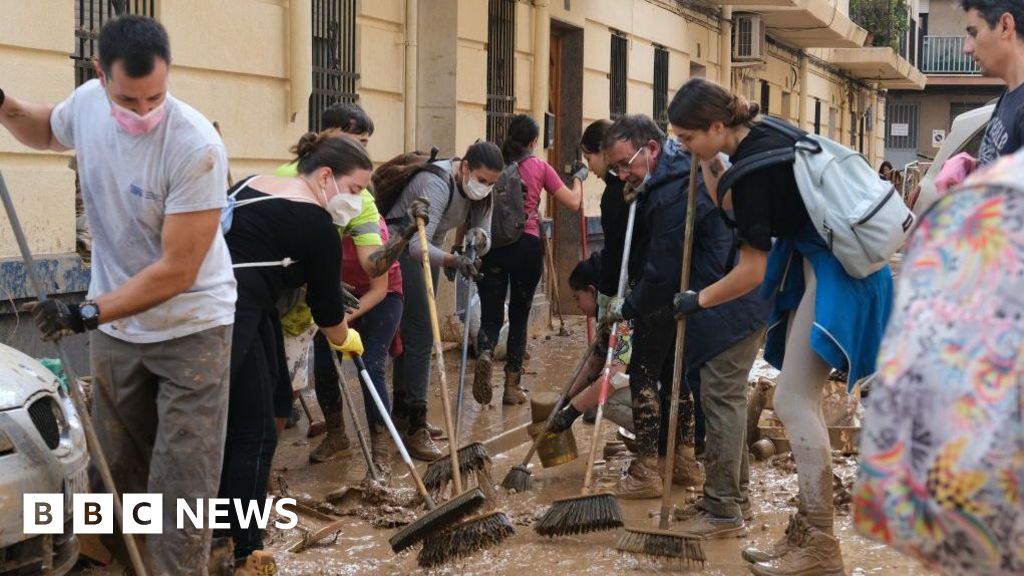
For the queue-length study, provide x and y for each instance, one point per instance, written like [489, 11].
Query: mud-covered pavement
[360, 548]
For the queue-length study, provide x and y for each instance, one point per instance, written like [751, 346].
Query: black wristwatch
[90, 314]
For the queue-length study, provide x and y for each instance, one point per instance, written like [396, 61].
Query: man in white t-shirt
[162, 293]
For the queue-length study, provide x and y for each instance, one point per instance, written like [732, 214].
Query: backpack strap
[764, 159]
[436, 170]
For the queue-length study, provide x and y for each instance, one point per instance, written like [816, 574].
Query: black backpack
[509, 217]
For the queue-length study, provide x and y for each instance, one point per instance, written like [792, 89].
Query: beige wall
[945, 18]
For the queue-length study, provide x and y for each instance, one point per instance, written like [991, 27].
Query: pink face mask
[134, 124]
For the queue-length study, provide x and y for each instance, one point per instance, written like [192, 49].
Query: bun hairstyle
[484, 154]
[341, 153]
[700, 103]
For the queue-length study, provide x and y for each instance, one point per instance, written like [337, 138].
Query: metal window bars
[661, 86]
[334, 57]
[89, 18]
[618, 74]
[501, 67]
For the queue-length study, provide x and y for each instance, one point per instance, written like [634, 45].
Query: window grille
[501, 67]
[661, 87]
[89, 18]
[334, 57]
[618, 74]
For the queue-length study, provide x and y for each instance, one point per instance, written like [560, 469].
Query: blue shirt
[1005, 132]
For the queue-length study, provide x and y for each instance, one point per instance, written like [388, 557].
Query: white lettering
[293, 518]
[253, 510]
[195, 517]
[219, 508]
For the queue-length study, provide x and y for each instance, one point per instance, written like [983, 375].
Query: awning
[879, 64]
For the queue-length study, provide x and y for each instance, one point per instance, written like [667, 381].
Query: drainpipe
[725, 48]
[412, 17]
[873, 148]
[805, 80]
[300, 59]
[541, 64]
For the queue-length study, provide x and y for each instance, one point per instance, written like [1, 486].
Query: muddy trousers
[160, 410]
[724, 397]
[412, 368]
[515, 270]
[652, 362]
[377, 329]
[798, 404]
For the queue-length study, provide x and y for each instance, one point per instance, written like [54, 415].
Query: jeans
[514, 270]
[377, 329]
[651, 362]
[412, 369]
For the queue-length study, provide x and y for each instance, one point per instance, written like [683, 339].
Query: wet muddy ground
[359, 548]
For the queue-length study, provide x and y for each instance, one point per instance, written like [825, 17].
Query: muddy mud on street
[359, 548]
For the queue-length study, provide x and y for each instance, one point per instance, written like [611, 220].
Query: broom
[472, 457]
[660, 542]
[438, 517]
[493, 525]
[592, 512]
[519, 477]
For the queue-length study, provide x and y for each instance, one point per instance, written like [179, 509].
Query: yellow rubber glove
[352, 346]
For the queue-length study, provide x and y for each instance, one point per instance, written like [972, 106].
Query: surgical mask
[134, 124]
[343, 207]
[647, 178]
[476, 190]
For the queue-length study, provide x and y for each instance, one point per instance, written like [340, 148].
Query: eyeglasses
[624, 166]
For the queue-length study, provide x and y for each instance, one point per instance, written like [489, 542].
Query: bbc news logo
[143, 513]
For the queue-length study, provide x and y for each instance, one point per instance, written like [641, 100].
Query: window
[89, 18]
[901, 125]
[661, 87]
[766, 96]
[817, 116]
[958, 108]
[501, 67]
[617, 76]
[334, 57]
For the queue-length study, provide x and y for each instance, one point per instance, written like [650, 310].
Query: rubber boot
[792, 538]
[514, 392]
[686, 471]
[817, 554]
[336, 443]
[259, 563]
[641, 481]
[482, 372]
[418, 441]
[380, 449]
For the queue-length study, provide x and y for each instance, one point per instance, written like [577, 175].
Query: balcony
[878, 64]
[945, 55]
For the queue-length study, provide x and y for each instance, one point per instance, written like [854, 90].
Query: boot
[336, 443]
[259, 563]
[380, 449]
[418, 441]
[514, 393]
[686, 471]
[791, 539]
[641, 480]
[482, 377]
[818, 554]
[434, 431]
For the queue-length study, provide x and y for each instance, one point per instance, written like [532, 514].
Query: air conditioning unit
[747, 37]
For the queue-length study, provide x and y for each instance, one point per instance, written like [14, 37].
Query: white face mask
[343, 207]
[476, 190]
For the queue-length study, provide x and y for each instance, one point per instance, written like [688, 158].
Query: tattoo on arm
[382, 259]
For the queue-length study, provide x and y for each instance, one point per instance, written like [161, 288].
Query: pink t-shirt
[537, 175]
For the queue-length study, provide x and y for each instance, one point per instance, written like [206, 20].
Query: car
[42, 450]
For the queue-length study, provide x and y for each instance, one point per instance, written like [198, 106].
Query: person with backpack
[458, 192]
[516, 260]
[830, 304]
[282, 234]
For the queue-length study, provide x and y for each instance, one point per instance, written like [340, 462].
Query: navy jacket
[655, 260]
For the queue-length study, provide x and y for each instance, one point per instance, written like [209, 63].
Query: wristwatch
[90, 314]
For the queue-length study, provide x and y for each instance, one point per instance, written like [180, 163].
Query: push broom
[590, 512]
[473, 457]
[660, 542]
[92, 441]
[479, 531]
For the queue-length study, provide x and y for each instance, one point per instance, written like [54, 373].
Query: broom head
[468, 537]
[438, 519]
[662, 544]
[581, 515]
[472, 457]
[518, 478]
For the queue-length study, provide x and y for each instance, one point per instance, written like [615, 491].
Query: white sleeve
[62, 121]
[199, 182]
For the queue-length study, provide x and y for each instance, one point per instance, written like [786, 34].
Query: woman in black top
[822, 317]
[282, 235]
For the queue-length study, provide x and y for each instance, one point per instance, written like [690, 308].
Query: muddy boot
[418, 441]
[259, 563]
[434, 431]
[818, 554]
[482, 377]
[790, 539]
[222, 557]
[642, 480]
[335, 444]
[686, 471]
[514, 393]
[380, 450]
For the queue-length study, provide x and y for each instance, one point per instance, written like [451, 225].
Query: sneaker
[791, 538]
[707, 526]
[641, 480]
[259, 563]
[421, 446]
[694, 508]
[482, 378]
[818, 554]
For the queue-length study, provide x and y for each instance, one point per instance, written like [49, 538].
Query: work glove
[629, 193]
[352, 346]
[468, 267]
[580, 171]
[418, 208]
[450, 273]
[613, 312]
[479, 239]
[686, 303]
[56, 319]
[349, 301]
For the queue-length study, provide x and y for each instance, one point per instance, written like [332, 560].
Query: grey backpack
[508, 218]
[861, 217]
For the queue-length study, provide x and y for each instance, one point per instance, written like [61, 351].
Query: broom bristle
[437, 519]
[580, 515]
[472, 458]
[465, 538]
[661, 544]
[518, 478]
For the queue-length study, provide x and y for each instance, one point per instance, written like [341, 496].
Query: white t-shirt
[129, 183]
